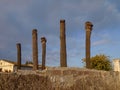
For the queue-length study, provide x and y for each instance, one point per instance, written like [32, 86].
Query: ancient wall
[60, 79]
[116, 63]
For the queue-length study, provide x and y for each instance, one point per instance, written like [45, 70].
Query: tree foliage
[28, 62]
[100, 62]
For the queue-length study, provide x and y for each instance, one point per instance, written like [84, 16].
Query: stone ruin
[116, 63]
[88, 28]
[43, 42]
[63, 51]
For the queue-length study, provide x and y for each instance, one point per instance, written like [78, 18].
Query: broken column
[18, 45]
[88, 27]
[35, 49]
[63, 53]
[43, 41]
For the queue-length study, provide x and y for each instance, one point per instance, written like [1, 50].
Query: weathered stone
[116, 63]
[63, 52]
[18, 55]
[35, 49]
[53, 80]
[69, 72]
[54, 72]
[88, 28]
[43, 41]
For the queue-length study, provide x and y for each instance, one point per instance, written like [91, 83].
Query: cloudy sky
[19, 17]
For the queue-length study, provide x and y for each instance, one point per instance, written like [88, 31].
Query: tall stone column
[43, 41]
[18, 45]
[88, 27]
[63, 53]
[35, 49]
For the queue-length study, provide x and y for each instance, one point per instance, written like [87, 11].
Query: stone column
[88, 27]
[18, 55]
[43, 41]
[35, 49]
[63, 53]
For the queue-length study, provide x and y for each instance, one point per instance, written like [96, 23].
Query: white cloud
[100, 42]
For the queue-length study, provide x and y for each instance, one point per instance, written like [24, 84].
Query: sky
[19, 17]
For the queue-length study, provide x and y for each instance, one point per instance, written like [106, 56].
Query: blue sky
[19, 17]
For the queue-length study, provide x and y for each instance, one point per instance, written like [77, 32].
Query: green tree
[100, 62]
[28, 62]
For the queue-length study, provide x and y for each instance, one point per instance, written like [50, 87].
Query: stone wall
[116, 63]
[60, 79]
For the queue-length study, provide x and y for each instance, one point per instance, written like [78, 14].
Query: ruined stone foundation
[60, 79]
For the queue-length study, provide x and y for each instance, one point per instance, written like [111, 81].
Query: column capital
[34, 31]
[43, 39]
[62, 21]
[18, 45]
[88, 26]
